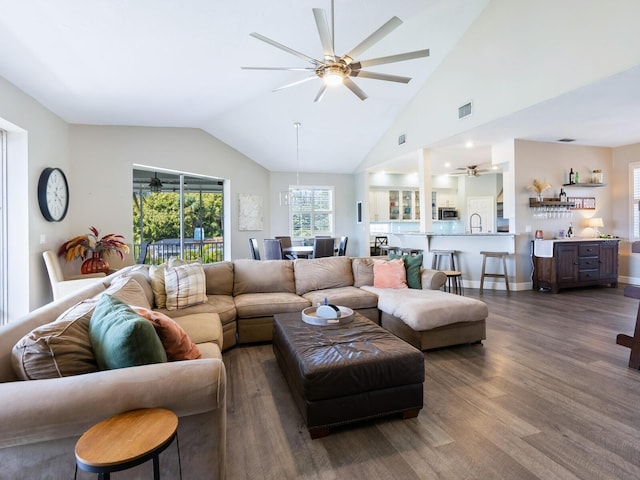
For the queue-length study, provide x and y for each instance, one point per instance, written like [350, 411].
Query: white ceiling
[172, 63]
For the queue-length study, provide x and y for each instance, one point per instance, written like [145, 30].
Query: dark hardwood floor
[548, 395]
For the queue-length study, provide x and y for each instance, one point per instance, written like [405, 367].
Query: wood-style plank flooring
[548, 395]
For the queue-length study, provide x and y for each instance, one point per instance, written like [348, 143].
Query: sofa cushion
[267, 304]
[263, 276]
[129, 291]
[121, 338]
[156, 275]
[389, 274]
[351, 297]
[219, 277]
[202, 328]
[321, 273]
[427, 309]
[185, 286]
[362, 271]
[412, 266]
[175, 340]
[57, 349]
[141, 274]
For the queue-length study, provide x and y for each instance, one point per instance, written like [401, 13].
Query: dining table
[299, 251]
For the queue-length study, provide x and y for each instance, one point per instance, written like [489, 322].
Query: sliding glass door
[176, 214]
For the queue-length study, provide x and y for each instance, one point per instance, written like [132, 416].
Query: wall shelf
[550, 202]
[584, 185]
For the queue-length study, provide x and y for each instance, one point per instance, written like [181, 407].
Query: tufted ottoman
[345, 373]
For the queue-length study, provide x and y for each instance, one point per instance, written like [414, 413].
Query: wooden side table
[126, 440]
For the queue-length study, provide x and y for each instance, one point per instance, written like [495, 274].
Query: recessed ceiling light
[469, 144]
[447, 164]
[567, 140]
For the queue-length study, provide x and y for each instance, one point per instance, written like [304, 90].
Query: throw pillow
[129, 290]
[156, 275]
[412, 265]
[57, 349]
[389, 274]
[121, 338]
[174, 339]
[185, 286]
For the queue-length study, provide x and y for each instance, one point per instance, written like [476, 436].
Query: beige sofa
[42, 419]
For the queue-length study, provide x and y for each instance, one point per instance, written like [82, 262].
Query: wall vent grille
[402, 139]
[464, 110]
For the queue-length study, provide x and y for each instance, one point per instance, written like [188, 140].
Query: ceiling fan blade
[293, 69]
[325, 34]
[295, 83]
[401, 57]
[355, 88]
[380, 76]
[375, 37]
[286, 49]
[321, 93]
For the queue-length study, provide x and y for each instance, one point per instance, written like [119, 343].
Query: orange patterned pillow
[389, 274]
[174, 339]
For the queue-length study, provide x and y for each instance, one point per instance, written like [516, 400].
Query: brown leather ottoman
[345, 373]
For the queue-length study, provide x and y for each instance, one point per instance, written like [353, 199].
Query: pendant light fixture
[155, 185]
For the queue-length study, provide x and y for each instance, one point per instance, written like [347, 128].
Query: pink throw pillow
[389, 274]
[174, 339]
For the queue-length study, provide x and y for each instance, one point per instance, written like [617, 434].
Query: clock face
[53, 194]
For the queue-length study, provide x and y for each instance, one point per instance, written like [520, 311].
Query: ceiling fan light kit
[335, 70]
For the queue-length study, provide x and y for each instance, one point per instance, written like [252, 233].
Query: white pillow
[185, 285]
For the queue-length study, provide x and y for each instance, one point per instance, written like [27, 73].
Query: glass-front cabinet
[394, 205]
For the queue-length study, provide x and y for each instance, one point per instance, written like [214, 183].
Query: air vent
[464, 110]
[402, 139]
[567, 140]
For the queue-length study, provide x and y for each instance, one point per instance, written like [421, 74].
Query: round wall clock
[53, 194]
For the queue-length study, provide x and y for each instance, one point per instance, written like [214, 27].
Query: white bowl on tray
[310, 316]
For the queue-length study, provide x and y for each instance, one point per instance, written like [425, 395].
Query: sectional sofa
[225, 304]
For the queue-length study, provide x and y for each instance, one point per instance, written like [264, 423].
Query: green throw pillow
[121, 338]
[412, 265]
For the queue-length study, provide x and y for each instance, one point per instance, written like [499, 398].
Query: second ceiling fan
[335, 69]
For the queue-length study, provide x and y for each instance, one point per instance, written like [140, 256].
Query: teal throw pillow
[412, 265]
[121, 338]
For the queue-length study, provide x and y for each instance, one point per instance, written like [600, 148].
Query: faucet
[472, 226]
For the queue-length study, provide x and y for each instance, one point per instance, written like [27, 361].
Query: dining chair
[62, 285]
[272, 249]
[285, 242]
[323, 247]
[255, 251]
[342, 248]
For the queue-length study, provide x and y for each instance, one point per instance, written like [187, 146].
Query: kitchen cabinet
[576, 264]
[394, 205]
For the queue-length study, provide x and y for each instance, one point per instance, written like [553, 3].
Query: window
[3, 230]
[311, 211]
[634, 176]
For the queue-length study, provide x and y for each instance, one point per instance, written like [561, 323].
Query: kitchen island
[468, 259]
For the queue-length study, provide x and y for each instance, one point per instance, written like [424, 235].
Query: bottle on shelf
[576, 177]
[563, 195]
[570, 230]
[572, 177]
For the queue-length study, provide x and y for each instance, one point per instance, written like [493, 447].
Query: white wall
[103, 157]
[621, 212]
[345, 203]
[37, 139]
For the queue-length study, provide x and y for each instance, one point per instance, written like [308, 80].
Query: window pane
[311, 211]
[322, 223]
[635, 206]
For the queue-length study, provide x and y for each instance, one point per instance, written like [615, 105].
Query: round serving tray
[309, 316]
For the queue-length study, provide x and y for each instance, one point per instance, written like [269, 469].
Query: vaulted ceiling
[178, 63]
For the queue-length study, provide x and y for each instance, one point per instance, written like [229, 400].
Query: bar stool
[387, 249]
[411, 251]
[450, 254]
[503, 256]
[454, 279]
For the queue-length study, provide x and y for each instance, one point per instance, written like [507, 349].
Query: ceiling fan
[335, 69]
[470, 171]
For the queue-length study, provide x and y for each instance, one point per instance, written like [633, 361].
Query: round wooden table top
[126, 437]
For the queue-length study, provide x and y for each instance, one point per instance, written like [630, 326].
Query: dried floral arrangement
[83, 246]
[538, 187]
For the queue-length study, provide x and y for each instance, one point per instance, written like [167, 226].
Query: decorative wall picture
[250, 212]
[583, 203]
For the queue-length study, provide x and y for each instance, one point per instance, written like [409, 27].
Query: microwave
[447, 213]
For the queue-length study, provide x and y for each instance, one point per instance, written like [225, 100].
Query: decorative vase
[540, 197]
[95, 264]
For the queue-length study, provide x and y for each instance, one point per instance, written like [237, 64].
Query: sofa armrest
[40, 410]
[432, 279]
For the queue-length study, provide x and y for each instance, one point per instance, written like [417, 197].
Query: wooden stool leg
[506, 277]
[452, 262]
[484, 264]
